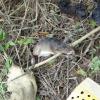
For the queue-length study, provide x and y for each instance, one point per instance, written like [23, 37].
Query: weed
[2, 34]
[95, 64]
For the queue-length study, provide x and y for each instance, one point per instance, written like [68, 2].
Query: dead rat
[50, 46]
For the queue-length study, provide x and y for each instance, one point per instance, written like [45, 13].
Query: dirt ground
[33, 19]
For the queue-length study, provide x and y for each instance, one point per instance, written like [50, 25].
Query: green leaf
[2, 88]
[9, 44]
[93, 23]
[95, 64]
[2, 35]
[37, 98]
[1, 48]
[25, 41]
[8, 63]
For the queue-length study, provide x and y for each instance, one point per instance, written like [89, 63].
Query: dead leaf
[22, 85]
[43, 33]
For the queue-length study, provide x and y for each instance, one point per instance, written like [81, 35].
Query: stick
[47, 60]
[85, 36]
[72, 44]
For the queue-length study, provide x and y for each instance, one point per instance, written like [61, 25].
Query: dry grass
[26, 18]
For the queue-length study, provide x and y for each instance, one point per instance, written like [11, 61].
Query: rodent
[50, 46]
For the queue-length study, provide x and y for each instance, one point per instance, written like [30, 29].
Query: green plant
[2, 35]
[2, 88]
[8, 63]
[37, 98]
[9, 44]
[92, 23]
[1, 48]
[95, 64]
[25, 41]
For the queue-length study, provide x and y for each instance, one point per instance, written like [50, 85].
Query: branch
[72, 44]
[47, 60]
[85, 36]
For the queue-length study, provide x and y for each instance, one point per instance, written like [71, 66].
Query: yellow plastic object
[87, 90]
